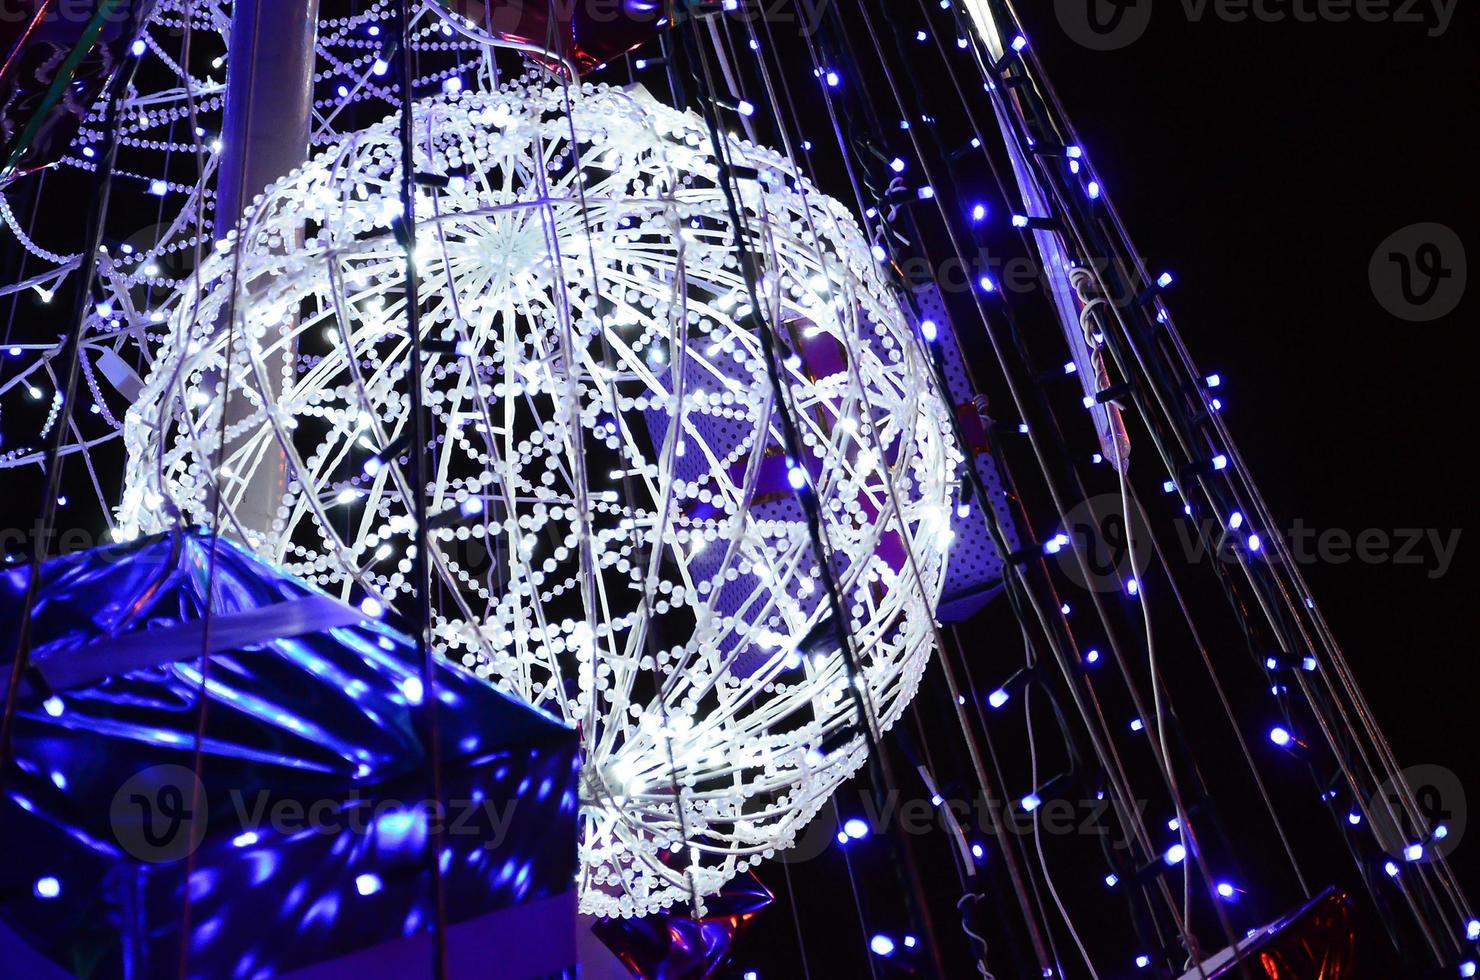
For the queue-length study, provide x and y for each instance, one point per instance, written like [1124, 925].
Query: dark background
[1264, 163]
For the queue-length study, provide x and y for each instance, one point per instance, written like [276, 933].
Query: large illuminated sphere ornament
[617, 536]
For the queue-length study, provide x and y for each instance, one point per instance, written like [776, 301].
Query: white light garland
[672, 622]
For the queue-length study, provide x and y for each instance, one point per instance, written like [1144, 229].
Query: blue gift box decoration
[303, 845]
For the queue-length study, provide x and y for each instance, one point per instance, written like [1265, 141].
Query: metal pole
[269, 100]
[269, 105]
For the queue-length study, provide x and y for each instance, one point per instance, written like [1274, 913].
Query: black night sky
[1264, 162]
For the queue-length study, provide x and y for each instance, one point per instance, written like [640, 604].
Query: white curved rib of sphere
[649, 582]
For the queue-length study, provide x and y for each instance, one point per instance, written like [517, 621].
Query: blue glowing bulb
[139, 47]
[928, 330]
[977, 851]
[1020, 221]
[796, 477]
[1220, 462]
[1354, 818]
[1226, 891]
[1235, 520]
[1019, 42]
[1137, 724]
[1175, 855]
[1133, 587]
[997, 698]
[1280, 736]
[882, 945]
[1213, 380]
[897, 165]
[856, 828]
[1254, 543]
[1467, 968]
[1390, 868]
[1472, 929]
[367, 883]
[1092, 657]
[833, 79]
[1164, 280]
[1143, 961]
[47, 888]
[1031, 802]
[1413, 852]
[1093, 189]
[1111, 880]
[979, 213]
[745, 109]
[987, 285]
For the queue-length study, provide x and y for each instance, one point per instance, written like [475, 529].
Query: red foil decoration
[675, 947]
[587, 33]
[44, 93]
[1321, 941]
